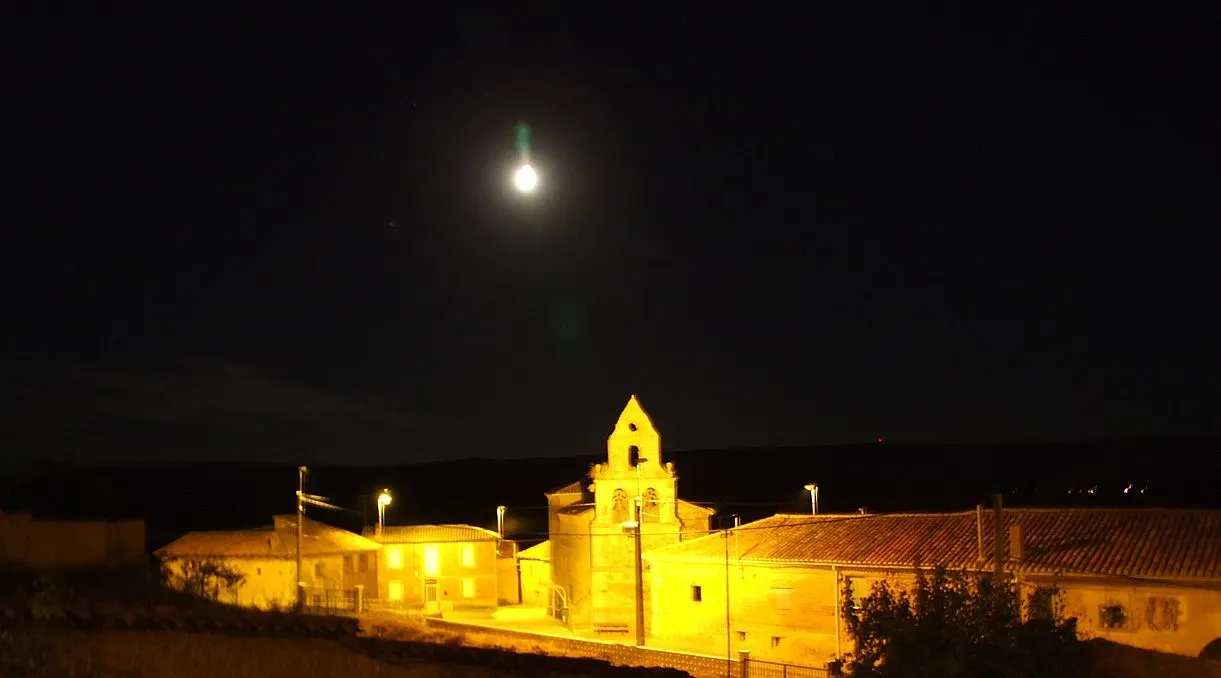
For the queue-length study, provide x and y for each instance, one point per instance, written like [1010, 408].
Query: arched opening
[650, 510]
[557, 603]
[1212, 651]
[619, 513]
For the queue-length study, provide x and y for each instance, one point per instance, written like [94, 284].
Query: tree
[207, 577]
[958, 626]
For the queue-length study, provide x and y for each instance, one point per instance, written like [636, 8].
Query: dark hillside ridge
[753, 482]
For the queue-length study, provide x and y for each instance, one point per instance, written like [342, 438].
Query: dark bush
[957, 626]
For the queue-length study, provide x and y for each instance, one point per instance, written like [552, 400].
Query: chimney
[1015, 543]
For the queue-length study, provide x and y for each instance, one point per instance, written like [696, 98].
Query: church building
[592, 551]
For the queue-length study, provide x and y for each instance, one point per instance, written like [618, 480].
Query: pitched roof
[576, 509]
[430, 534]
[279, 541]
[1147, 543]
[706, 509]
[540, 551]
[575, 487]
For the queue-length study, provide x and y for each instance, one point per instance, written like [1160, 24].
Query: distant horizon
[1200, 437]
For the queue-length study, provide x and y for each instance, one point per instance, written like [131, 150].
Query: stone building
[1150, 578]
[334, 562]
[439, 568]
[591, 544]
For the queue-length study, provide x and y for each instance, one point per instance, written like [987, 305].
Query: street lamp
[525, 178]
[500, 521]
[383, 500]
[812, 488]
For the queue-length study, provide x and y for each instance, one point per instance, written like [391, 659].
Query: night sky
[776, 229]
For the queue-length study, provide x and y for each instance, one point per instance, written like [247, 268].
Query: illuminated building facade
[591, 546]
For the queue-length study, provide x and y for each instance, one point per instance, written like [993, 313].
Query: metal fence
[761, 669]
[330, 601]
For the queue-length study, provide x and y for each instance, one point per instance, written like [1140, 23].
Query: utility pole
[639, 580]
[302, 500]
[728, 642]
[300, 515]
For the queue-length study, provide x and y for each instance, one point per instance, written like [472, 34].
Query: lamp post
[383, 500]
[812, 488]
[301, 471]
[500, 521]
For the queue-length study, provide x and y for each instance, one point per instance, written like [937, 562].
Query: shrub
[958, 626]
[205, 577]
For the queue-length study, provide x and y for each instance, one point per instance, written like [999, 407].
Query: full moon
[525, 178]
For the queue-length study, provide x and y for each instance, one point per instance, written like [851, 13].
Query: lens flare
[526, 178]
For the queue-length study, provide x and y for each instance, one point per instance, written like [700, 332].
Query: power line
[535, 535]
[744, 528]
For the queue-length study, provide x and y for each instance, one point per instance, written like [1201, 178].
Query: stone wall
[70, 543]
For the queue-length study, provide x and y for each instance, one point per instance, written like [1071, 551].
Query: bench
[612, 628]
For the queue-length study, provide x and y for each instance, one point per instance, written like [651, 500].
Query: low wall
[695, 665]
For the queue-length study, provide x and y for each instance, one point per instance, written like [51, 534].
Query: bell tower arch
[634, 468]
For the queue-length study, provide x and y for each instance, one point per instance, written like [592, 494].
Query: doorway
[430, 597]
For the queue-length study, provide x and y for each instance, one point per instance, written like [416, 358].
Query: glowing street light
[383, 500]
[526, 178]
[812, 488]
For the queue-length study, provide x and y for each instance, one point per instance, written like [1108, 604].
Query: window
[775, 641]
[347, 564]
[619, 507]
[431, 560]
[1112, 615]
[364, 562]
[650, 511]
[1042, 603]
[468, 588]
[468, 555]
[742, 636]
[697, 593]
[782, 598]
[394, 590]
[394, 557]
[319, 570]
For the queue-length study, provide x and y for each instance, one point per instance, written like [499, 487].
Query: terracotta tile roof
[1145, 543]
[279, 541]
[706, 509]
[575, 487]
[264, 543]
[576, 509]
[540, 551]
[430, 534]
